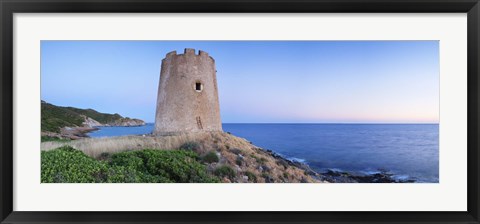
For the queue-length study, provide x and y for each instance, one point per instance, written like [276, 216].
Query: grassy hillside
[100, 117]
[56, 117]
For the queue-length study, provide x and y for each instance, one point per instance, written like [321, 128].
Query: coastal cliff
[74, 123]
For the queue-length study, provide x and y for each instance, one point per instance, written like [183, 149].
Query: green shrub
[104, 156]
[129, 160]
[210, 157]
[193, 146]
[178, 166]
[225, 171]
[68, 165]
[260, 160]
[251, 176]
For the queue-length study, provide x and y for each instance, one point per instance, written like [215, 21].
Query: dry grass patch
[96, 146]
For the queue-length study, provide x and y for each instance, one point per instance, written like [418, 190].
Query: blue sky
[258, 81]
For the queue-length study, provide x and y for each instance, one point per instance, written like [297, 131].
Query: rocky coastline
[70, 133]
[334, 176]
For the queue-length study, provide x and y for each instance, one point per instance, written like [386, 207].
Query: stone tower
[187, 99]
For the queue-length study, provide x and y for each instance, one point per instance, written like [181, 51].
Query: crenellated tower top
[188, 52]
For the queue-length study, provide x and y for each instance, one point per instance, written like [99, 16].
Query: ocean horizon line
[326, 123]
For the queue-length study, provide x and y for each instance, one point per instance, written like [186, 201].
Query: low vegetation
[53, 139]
[194, 146]
[210, 157]
[95, 146]
[68, 165]
[190, 157]
[103, 118]
[225, 171]
[251, 176]
[54, 118]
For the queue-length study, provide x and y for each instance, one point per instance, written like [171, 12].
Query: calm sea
[407, 150]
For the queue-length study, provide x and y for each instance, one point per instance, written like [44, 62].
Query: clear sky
[258, 81]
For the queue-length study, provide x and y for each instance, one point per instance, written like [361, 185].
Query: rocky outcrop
[382, 176]
[126, 122]
[121, 122]
[90, 122]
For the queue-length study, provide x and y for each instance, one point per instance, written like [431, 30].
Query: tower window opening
[198, 86]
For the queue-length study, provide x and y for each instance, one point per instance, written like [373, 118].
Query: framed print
[247, 112]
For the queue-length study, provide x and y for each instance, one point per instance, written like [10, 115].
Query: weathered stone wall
[180, 107]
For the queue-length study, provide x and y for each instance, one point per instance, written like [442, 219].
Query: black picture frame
[9, 7]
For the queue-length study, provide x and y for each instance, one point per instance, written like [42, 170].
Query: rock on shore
[126, 122]
[121, 122]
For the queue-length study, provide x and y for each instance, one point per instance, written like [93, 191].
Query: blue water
[121, 131]
[409, 151]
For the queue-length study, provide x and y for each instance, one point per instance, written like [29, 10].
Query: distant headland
[73, 123]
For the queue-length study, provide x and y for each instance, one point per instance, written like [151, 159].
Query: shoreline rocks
[72, 133]
[333, 176]
[346, 177]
